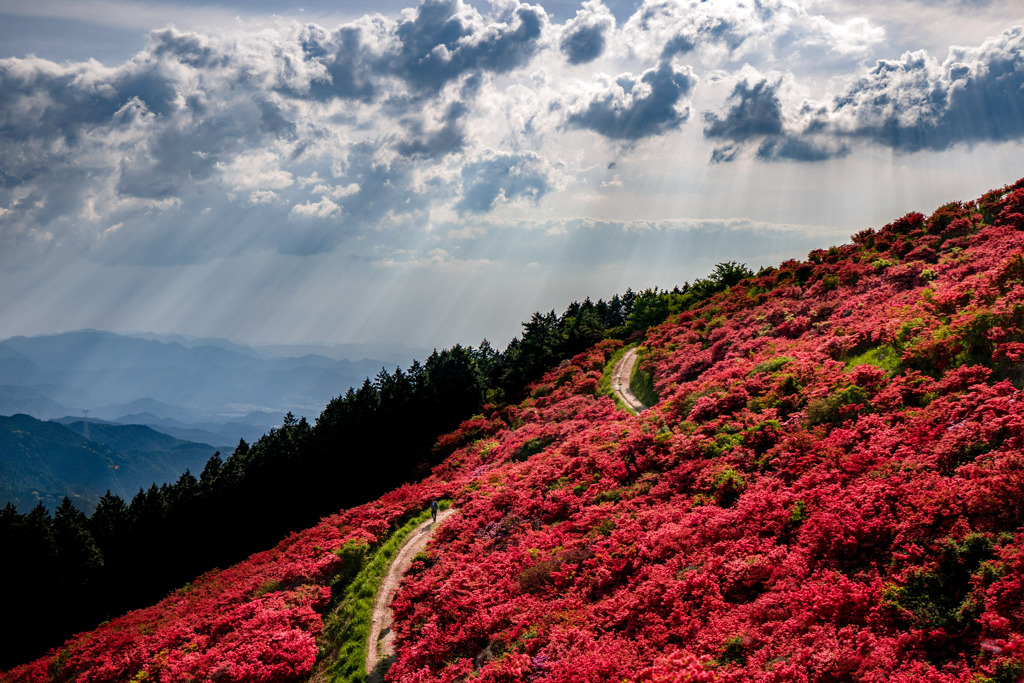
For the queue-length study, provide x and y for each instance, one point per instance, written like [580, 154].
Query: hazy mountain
[208, 384]
[45, 461]
[390, 354]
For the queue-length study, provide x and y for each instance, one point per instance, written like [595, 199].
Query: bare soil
[620, 381]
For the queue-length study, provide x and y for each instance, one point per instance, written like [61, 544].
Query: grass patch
[772, 364]
[885, 357]
[642, 385]
[342, 656]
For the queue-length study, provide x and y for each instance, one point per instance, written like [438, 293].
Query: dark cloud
[639, 107]
[190, 49]
[583, 44]
[723, 154]
[914, 104]
[678, 46]
[501, 176]
[911, 104]
[42, 99]
[383, 188]
[349, 64]
[584, 38]
[755, 112]
[699, 30]
[441, 43]
[164, 164]
[451, 137]
[792, 148]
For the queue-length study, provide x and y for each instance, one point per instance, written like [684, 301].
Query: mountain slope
[46, 461]
[831, 488]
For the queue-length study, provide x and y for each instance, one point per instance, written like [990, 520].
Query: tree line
[67, 572]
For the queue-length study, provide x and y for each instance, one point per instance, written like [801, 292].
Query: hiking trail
[620, 381]
[380, 645]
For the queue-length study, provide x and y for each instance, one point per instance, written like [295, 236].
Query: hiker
[433, 510]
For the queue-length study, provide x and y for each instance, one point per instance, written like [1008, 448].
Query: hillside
[830, 487]
[46, 461]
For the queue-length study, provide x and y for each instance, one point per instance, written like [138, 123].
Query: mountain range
[198, 389]
[42, 462]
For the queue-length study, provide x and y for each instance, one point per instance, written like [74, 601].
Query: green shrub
[798, 513]
[734, 651]
[772, 364]
[727, 485]
[940, 596]
[829, 409]
[531, 447]
[269, 586]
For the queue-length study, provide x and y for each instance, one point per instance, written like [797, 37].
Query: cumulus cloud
[253, 110]
[755, 114]
[727, 32]
[756, 111]
[262, 138]
[444, 39]
[321, 209]
[909, 104]
[635, 107]
[915, 103]
[584, 38]
[448, 138]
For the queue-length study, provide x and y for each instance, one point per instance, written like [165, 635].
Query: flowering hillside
[830, 488]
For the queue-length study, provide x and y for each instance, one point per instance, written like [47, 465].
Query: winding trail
[380, 645]
[620, 381]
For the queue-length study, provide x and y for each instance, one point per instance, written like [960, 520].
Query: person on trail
[433, 510]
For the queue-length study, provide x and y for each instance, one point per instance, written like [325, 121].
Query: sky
[431, 174]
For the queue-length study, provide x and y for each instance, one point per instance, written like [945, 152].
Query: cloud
[443, 39]
[636, 107]
[449, 138]
[434, 259]
[910, 104]
[795, 148]
[755, 112]
[500, 177]
[264, 197]
[916, 103]
[726, 33]
[297, 138]
[347, 61]
[584, 38]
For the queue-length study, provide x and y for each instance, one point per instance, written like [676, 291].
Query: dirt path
[380, 646]
[620, 381]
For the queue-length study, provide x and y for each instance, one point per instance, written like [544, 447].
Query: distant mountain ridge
[210, 388]
[46, 461]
